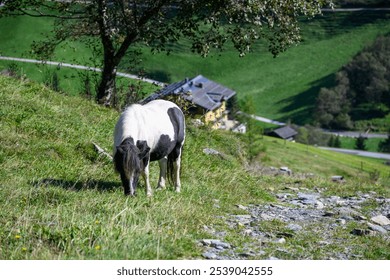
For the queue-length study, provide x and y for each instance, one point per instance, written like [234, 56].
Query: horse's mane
[126, 157]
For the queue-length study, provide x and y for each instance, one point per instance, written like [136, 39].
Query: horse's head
[129, 162]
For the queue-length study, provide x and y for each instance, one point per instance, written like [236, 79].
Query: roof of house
[199, 90]
[285, 132]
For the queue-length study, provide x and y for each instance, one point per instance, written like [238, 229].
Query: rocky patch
[298, 212]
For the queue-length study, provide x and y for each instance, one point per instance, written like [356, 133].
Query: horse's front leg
[163, 173]
[146, 177]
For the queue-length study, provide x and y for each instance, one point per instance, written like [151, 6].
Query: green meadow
[61, 200]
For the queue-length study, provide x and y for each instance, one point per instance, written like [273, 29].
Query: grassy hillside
[60, 200]
[283, 88]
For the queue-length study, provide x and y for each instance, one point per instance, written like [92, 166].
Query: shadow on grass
[160, 76]
[302, 105]
[71, 185]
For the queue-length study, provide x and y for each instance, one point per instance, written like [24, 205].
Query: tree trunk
[106, 89]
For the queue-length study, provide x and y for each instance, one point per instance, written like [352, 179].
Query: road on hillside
[355, 134]
[358, 153]
[82, 67]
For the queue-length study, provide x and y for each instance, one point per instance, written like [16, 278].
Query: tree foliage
[207, 24]
[362, 84]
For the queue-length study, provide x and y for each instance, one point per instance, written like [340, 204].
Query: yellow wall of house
[216, 116]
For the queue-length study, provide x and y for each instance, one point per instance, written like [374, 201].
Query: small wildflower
[97, 222]
[24, 249]
[97, 247]
[17, 236]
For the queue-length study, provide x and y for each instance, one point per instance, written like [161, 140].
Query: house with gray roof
[207, 99]
[285, 132]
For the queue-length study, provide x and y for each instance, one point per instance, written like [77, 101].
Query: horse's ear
[143, 149]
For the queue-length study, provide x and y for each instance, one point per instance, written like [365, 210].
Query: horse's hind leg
[176, 168]
[163, 173]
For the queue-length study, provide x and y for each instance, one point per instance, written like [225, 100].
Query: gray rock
[210, 151]
[280, 240]
[247, 254]
[243, 219]
[381, 220]
[319, 205]
[345, 212]
[220, 245]
[337, 178]
[209, 242]
[266, 217]
[294, 227]
[308, 196]
[239, 206]
[377, 228]
[209, 255]
[361, 232]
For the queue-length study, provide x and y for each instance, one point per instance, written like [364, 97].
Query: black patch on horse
[163, 147]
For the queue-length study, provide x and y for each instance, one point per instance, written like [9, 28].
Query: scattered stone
[266, 217]
[337, 178]
[341, 221]
[283, 196]
[209, 255]
[381, 220]
[329, 214]
[208, 242]
[377, 228]
[285, 170]
[319, 205]
[361, 232]
[210, 151]
[348, 212]
[308, 196]
[239, 206]
[281, 240]
[247, 255]
[243, 219]
[294, 227]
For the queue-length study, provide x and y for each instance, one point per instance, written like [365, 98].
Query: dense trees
[362, 88]
[207, 24]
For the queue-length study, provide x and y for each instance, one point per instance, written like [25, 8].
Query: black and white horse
[144, 133]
